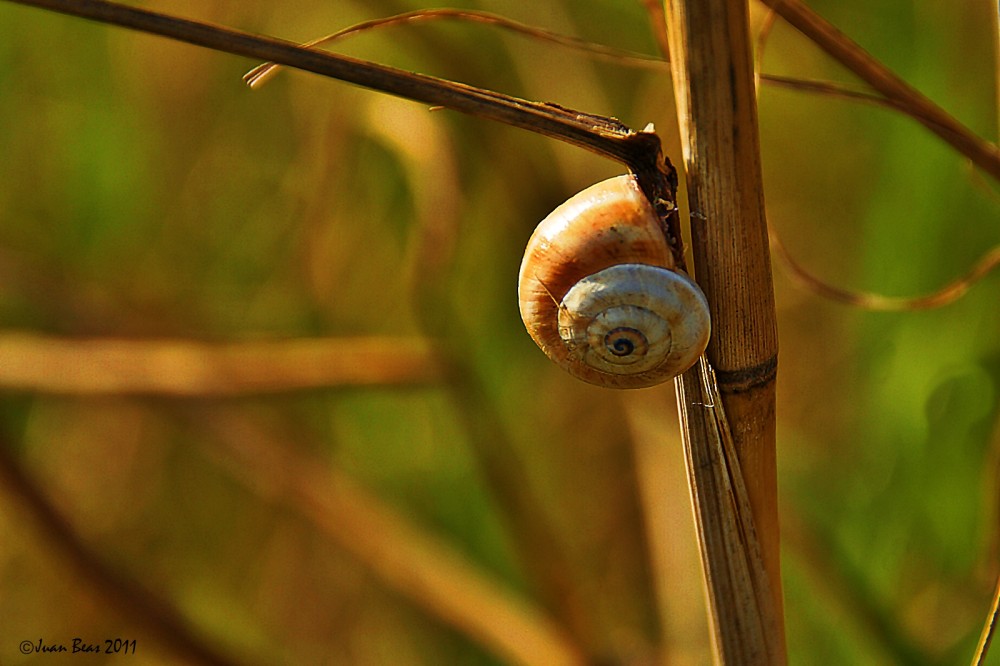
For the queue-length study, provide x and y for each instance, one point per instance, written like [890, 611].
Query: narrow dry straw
[986, 637]
[100, 366]
[260, 74]
[602, 135]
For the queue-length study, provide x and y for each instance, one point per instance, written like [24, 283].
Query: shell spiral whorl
[599, 294]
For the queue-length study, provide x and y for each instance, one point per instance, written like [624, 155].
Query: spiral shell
[599, 295]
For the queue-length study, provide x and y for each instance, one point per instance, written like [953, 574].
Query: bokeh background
[146, 194]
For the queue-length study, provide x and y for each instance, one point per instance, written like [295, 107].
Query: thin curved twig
[260, 74]
[830, 89]
[949, 293]
[821, 87]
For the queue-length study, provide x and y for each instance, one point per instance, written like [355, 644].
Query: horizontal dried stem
[188, 368]
[604, 136]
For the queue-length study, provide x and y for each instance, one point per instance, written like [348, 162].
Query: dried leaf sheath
[737, 581]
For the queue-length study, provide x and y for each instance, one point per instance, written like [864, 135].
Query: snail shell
[599, 294]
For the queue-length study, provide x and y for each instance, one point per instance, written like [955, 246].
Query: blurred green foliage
[146, 192]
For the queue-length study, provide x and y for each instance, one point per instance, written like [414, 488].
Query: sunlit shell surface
[598, 296]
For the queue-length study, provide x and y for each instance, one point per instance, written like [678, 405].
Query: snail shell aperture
[599, 294]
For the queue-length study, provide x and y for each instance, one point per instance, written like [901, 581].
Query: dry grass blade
[949, 293]
[421, 568]
[599, 134]
[187, 368]
[830, 89]
[991, 622]
[740, 593]
[982, 153]
[260, 74]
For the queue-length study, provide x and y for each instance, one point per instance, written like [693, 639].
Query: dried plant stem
[190, 368]
[982, 153]
[983, 648]
[949, 293]
[602, 135]
[260, 74]
[743, 616]
[713, 85]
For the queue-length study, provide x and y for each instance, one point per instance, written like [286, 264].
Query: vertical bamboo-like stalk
[713, 84]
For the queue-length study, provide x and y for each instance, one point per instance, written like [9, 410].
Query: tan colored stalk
[99, 366]
[733, 427]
